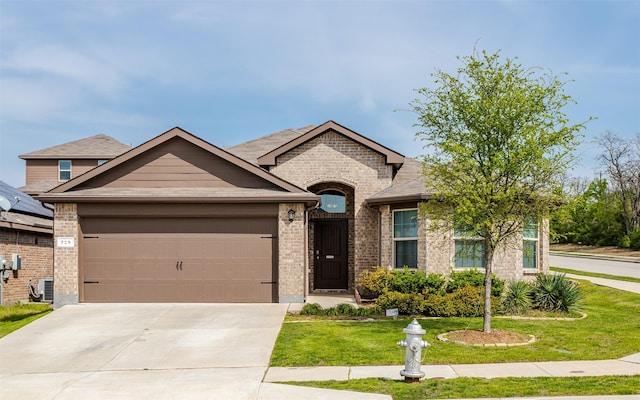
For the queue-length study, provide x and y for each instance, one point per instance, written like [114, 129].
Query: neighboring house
[178, 219]
[47, 168]
[26, 238]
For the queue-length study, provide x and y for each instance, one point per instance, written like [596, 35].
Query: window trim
[60, 170]
[403, 239]
[535, 240]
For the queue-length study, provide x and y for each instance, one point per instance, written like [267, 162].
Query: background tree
[498, 141]
[621, 161]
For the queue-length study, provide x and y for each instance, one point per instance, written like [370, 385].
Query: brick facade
[65, 280]
[436, 250]
[333, 161]
[291, 254]
[36, 253]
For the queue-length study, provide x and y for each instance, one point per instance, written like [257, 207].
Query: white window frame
[60, 170]
[529, 239]
[403, 239]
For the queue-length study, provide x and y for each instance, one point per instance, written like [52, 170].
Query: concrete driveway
[127, 351]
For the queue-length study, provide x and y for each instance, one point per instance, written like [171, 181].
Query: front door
[331, 261]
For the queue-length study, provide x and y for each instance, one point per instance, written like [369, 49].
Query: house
[49, 167]
[178, 219]
[26, 246]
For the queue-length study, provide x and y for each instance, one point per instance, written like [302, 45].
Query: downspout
[306, 248]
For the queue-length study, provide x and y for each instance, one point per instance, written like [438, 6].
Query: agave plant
[555, 293]
[517, 299]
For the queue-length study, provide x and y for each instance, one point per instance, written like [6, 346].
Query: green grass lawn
[595, 274]
[16, 316]
[610, 331]
[499, 387]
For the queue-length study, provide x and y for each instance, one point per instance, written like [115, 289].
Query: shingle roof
[409, 184]
[251, 150]
[94, 147]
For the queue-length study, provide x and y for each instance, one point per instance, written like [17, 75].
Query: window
[469, 249]
[405, 238]
[530, 244]
[64, 170]
[333, 201]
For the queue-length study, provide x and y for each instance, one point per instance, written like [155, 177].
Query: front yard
[609, 331]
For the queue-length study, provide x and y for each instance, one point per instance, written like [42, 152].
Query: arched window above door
[333, 202]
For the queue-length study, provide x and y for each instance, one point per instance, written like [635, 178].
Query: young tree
[498, 140]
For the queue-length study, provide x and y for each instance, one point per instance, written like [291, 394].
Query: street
[619, 268]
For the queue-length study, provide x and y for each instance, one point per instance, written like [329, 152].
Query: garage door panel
[212, 260]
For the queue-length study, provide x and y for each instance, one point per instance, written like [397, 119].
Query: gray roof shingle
[93, 147]
[251, 150]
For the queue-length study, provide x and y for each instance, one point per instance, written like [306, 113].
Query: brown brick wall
[334, 158]
[291, 254]
[436, 250]
[36, 252]
[65, 280]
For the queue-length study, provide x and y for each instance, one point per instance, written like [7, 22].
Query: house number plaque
[66, 242]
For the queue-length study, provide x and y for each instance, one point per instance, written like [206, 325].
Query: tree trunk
[488, 264]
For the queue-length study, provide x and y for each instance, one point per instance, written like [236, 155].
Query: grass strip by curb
[595, 274]
[482, 388]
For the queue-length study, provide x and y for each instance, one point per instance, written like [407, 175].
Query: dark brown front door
[331, 265]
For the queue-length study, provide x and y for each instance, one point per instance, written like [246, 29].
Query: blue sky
[233, 71]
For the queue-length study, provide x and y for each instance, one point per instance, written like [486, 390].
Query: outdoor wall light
[292, 215]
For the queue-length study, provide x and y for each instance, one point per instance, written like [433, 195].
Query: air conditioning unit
[45, 288]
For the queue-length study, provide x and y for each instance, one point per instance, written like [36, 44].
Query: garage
[178, 219]
[185, 259]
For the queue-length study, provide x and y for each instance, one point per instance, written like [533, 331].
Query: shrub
[634, 239]
[375, 281]
[406, 303]
[346, 309]
[517, 299]
[473, 277]
[624, 242]
[407, 281]
[435, 283]
[555, 293]
[311, 309]
[467, 301]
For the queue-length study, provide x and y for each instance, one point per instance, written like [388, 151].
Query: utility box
[16, 262]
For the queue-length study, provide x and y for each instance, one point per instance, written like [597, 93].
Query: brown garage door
[179, 260]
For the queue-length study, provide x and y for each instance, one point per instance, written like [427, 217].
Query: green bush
[408, 281]
[634, 239]
[467, 301]
[346, 309]
[406, 303]
[376, 281]
[312, 309]
[517, 299]
[554, 292]
[624, 242]
[380, 280]
[473, 277]
[435, 283]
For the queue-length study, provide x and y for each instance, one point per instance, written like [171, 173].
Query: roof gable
[94, 147]
[255, 148]
[176, 159]
[391, 156]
